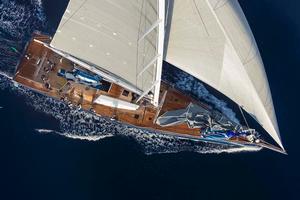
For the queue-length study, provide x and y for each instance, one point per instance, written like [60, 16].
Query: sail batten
[212, 41]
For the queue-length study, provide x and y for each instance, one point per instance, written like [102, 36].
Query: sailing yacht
[107, 57]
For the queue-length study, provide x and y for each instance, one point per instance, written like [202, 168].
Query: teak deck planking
[37, 57]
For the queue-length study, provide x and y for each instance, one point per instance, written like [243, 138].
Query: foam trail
[75, 136]
[6, 75]
[233, 150]
[6, 81]
[18, 20]
[45, 131]
[78, 124]
[87, 137]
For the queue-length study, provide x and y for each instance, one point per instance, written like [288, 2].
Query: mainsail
[124, 38]
[212, 40]
[209, 39]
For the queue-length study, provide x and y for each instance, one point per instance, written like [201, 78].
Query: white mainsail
[123, 37]
[212, 40]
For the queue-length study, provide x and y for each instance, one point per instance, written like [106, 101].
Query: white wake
[6, 75]
[76, 136]
[78, 124]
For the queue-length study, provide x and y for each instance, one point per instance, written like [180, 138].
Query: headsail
[212, 40]
[123, 37]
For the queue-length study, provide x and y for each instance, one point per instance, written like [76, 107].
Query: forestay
[211, 40]
[120, 37]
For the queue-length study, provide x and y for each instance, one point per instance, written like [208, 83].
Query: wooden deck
[38, 69]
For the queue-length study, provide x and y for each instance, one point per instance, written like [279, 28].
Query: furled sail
[121, 37]
[212, 40]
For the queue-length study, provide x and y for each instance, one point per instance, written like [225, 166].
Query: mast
[160, 49]
[157, 61]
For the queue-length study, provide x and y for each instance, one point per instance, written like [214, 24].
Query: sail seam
[67, 20]
[200, 16]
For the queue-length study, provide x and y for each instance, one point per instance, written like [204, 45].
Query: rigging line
[144, 41]
[199, 14]
[137, 43]
[244, 116]
[252, 47]
[82, 4]
[153, 7]
[220, 4]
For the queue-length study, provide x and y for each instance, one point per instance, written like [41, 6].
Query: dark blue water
[37, 165]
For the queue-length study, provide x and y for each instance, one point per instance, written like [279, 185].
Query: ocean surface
[51, 151]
